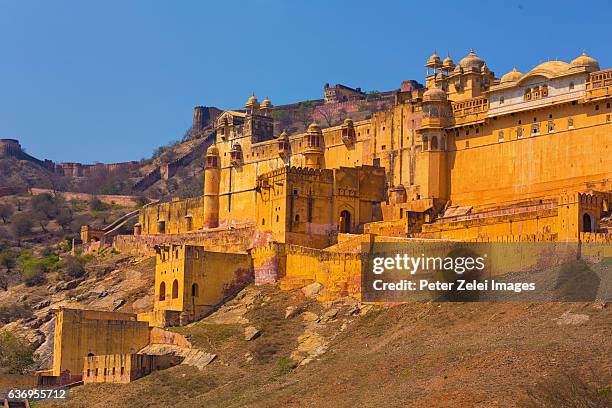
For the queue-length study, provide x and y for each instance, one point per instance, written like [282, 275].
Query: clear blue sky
[111, 80]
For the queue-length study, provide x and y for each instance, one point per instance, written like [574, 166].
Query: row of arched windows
[162, 290]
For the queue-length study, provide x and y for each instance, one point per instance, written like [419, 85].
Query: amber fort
[471, 155]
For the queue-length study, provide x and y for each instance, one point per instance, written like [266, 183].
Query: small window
[277, 218]
[535, 129]
[501, 100]
[570, 123]
[571, 86]
[383, 147]
[520, 122]
[263, 221]
[295, 192]
[500, 136]
[551, 126]
[477, 130]
[608, 105]
[608, 118]
[519, 133]
[297, 217]
[596, 107]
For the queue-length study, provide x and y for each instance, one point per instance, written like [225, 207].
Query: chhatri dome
[433, 61]
[471, 61]
[266, 104]
[448, 63]
[585, 61]
[511, 76]
[434, 94]
[212, 150]
[252, 102]
[314, 128]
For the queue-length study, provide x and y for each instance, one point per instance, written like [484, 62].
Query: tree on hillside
[6, 211]
[8, 258]
[64, 218]
[44, 205]
[303, 113]
[327, 115]
[21, 225]
[16, 354]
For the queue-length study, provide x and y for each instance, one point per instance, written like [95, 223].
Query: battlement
[586, 200]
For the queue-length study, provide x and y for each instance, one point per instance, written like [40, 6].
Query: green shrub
[8, 258]
[16, 354]
[21, 225]
[33, 273]
[95, 205]
[73, 267]
[285, 365]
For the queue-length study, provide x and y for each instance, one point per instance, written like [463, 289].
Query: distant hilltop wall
[12, 148]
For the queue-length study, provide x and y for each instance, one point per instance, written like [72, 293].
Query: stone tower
[200, 118]
[212, 178]
[432, 164]
[314, 147]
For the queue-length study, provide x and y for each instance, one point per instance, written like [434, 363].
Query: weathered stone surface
[312, 290]
[251, 333]
[118, 303]
[569, 318]
[292, 311]
[329, 315]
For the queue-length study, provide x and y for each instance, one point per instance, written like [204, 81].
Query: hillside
[418, 355]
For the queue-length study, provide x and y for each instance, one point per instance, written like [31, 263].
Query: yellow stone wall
[79, 333]
[484, 171]
[196, 280]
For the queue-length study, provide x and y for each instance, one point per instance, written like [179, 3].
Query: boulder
[312, 290]
[251, 333]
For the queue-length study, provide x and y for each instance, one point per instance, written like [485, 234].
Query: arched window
[90, 354]
[551, 126]
[425, 142]
[500, 136]
[519, 133]
[502, 100]
[195, 290]
[570, 123]
[162, 291]
[345, 222]
[175, 289]
[571, 86]
[587, 223]
[434, 143]
[297, 217]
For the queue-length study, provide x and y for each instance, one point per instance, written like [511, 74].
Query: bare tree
[304, 112]
[327, 115]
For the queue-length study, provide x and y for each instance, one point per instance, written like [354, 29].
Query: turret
[212, 178]
[432, 167]
[314, 147]
[266, 106]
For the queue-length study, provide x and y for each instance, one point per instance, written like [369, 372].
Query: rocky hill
[272, 348]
